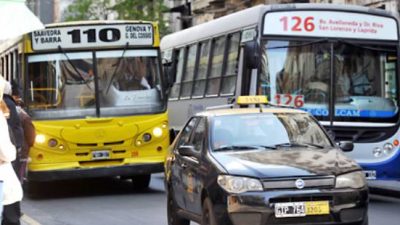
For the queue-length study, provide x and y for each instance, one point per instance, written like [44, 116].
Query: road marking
[25, 218]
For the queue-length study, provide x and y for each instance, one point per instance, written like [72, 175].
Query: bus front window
[129, 82]
[299, 74]
[366, 84]
[61, 86]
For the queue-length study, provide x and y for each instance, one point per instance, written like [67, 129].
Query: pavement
[386, 188]
[382, 187]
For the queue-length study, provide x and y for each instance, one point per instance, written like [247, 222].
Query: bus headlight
[351, 180]
[40, 139]
[377, 152]
[157, 132]
[236, 185]
[387, 148]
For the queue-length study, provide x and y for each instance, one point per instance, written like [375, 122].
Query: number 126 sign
[289, 100]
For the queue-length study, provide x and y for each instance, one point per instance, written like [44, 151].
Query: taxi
[261, 165]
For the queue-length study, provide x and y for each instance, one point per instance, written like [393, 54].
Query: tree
[88, 10]
[150, 10]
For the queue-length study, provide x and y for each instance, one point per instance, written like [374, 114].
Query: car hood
[286, 163]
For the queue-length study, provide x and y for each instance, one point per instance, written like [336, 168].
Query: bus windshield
[63, 85]
[364, 83]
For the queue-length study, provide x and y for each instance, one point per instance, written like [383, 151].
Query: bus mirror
[168, 73]
[251, 54]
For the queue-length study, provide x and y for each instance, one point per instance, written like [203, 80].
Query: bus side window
[229, 77]
[201, 77]
[179, 71]
[214, 78]
[187, 79]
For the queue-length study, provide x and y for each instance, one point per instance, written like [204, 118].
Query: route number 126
[298, 24]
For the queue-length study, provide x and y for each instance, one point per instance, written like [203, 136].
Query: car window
[198, 135]
[187, 130]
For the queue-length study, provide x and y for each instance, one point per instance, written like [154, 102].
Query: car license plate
[370, 174]
[301, 209]
[103, 154]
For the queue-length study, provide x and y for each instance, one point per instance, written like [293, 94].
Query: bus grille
[361, 135]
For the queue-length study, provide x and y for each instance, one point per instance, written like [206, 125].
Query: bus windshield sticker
[330, 24]
[248, 35]
[91, 36]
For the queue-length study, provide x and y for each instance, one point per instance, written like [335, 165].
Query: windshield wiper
[295, 144]
[300, 45]
[117, 66]
[73, 66]
[235, 147]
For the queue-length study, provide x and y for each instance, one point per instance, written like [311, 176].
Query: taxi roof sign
[255, 99]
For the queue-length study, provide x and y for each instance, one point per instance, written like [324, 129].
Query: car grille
[290, 183]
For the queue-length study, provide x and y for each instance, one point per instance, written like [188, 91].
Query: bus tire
[141, 182]
[31, 188]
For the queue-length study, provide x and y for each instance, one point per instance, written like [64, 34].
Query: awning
[16, 19]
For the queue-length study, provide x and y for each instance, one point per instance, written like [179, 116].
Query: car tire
[172, 212]
[141, 182]
[208, 215]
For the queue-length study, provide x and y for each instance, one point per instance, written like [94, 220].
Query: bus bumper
[125, 171]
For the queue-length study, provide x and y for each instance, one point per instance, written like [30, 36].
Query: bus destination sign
[330, 24]
[91, 36]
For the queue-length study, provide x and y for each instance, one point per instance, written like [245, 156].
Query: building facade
[186, 13]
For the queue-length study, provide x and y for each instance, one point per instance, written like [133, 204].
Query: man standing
[28, 130]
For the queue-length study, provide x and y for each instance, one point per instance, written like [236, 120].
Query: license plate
[103, 154]
[301, 209]
[370, 174]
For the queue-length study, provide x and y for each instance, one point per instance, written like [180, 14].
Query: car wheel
[141, 182]
[208, 216]
[172, 215]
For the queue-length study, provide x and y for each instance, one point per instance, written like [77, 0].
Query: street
[112, 201]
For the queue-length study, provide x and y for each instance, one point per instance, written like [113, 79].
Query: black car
[252, 166]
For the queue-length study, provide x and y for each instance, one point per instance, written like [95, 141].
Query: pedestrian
[14, 123]
[12, 190]
[28, 129]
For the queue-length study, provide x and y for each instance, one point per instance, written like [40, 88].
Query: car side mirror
[187, 150]
[346, 146]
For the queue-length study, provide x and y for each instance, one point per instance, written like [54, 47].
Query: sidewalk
[388, 188]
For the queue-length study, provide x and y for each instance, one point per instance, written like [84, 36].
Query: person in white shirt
[12, 190]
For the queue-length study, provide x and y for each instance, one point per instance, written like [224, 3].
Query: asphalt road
[113, 202]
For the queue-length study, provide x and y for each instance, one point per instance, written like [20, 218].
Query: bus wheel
[141, 182]
[31, 188]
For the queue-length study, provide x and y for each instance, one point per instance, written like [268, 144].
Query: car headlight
[236, 185]
[351, 180]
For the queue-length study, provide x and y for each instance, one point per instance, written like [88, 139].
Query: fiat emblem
[299, 183]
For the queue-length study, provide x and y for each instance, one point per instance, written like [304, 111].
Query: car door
[193, 173]
[177, 177]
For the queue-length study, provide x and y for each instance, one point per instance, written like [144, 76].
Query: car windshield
[271, 131]
[63, 85]
[298, 73]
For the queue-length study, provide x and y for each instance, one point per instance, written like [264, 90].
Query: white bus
[337, 62]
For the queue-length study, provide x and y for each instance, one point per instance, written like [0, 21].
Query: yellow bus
[97, 96]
